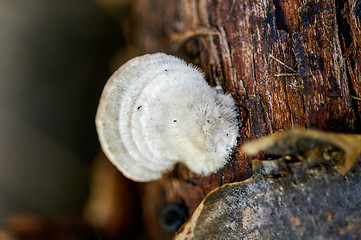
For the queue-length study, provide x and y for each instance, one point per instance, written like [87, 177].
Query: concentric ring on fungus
[157, 110]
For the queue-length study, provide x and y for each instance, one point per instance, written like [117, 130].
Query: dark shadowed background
[54, 61]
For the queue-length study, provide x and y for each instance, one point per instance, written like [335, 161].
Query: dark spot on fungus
[174, 120]
[139, 107]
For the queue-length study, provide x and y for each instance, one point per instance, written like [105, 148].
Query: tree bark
[287, 64]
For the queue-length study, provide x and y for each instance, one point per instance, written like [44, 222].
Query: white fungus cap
[156, 110]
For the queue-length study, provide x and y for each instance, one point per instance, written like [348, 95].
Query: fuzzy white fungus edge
[157, 110]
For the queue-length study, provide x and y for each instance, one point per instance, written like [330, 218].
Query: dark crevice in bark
[345, 39]
[344, 28]
[280, 17]
[344, 33]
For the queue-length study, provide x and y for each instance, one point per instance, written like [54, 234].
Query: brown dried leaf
[294, 141]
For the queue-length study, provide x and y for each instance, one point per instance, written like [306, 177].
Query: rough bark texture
[287, 63]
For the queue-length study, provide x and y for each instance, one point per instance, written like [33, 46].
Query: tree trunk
[287, 64]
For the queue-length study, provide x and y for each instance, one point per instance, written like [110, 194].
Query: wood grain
[287, 64]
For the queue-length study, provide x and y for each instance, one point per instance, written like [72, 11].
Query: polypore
[157, 110]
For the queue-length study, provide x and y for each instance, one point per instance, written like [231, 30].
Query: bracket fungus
[157, 110]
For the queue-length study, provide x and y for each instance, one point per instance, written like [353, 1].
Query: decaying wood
[304, 194]
[287, 64]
